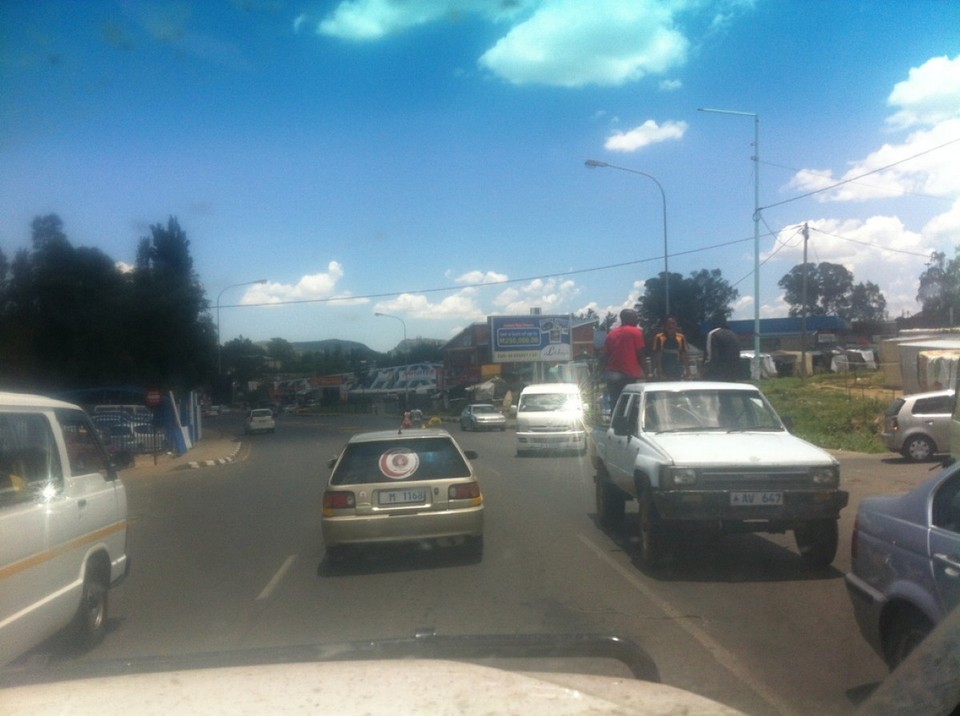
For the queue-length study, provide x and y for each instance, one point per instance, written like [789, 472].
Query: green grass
[835, 412]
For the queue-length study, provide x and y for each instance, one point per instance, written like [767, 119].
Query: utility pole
[803, 321]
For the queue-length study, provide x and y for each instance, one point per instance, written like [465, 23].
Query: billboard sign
[530, 339]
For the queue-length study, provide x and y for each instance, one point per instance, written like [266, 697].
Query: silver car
[482, 416]
[905, 564]
[408, 487]
[918, 426]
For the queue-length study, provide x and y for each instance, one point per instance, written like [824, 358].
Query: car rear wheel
[907, 629]
[918, 448]
[817, 541]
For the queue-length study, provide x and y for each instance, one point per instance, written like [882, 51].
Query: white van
[63, 524]
[550, 418]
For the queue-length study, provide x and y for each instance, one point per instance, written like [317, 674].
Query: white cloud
[462, 305]
[551, 295]
[930, 95]
[925, 161]
[374, 19]
[478, 277]
[311, 287]
[609, 42]
[671, 85]
[643, 136]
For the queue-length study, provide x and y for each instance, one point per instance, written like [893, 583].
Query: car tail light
[333, 500]
[465, 491]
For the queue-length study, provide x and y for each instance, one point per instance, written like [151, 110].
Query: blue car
[905, 564]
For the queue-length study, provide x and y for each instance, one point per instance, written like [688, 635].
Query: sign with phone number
[530, 339]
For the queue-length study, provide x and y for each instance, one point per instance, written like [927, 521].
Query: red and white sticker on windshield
[399, 463]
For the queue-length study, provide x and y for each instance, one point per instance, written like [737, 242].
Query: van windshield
[547, 402]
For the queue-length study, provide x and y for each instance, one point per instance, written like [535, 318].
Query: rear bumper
[868, 605]
[415, 527]
[716, 505]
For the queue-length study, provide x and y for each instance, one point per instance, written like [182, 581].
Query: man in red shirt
[623, 350]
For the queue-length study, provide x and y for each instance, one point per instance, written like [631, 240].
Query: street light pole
[756, 228]
[406, 388]
[233, 285]
[594, 164]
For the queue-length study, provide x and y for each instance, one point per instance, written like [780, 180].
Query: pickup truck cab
[63, 524]
[717, 456]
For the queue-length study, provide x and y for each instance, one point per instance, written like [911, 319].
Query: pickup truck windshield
[694, 410]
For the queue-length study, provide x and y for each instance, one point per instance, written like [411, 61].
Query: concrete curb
[197, 464]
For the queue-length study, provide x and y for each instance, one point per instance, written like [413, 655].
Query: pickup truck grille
[753, 478]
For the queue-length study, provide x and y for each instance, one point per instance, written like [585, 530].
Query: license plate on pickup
[749, 499]
[413, 496]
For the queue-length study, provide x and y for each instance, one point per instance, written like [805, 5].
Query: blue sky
[425, 159]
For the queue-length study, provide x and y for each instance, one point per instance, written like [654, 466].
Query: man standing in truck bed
[670, 352]
[623, 351]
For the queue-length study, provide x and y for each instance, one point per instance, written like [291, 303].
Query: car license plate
[748, 499]
[412, 496]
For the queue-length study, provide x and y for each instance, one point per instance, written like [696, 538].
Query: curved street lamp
[594, 164]
[232, 285]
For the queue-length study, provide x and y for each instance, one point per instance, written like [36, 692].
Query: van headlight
[680, 476]
[826, 475]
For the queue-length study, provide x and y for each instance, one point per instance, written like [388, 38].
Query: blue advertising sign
[530, 339]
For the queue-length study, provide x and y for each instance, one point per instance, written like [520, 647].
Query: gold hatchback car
[402, 487]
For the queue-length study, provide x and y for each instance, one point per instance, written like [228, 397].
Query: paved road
[227, 557]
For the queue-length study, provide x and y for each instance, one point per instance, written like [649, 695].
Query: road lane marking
[724, 656]
[272, 584]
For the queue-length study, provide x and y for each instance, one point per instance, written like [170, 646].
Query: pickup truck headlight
[827, 475]
[680, 476]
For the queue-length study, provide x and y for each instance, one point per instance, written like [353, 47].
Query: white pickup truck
[713, 456]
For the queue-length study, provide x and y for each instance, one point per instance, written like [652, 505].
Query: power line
[460, 287]
[861, 176]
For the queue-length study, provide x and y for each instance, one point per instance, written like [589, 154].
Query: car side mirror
[787, 422]
[331, 462]
[471, 454]
[621, 425]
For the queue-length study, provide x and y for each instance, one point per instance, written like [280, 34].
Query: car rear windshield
[895, 406]
[399, 461]
[261, 413]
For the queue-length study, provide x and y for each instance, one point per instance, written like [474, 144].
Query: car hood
[390, 686]
[739, 448]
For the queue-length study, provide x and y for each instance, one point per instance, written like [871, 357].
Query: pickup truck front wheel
[650, 538]
[611, 502]
[817, 541]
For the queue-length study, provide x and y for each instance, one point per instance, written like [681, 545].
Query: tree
[830, 291]
[939, 290]
[282, 351]
[175, 340]
[703, 297]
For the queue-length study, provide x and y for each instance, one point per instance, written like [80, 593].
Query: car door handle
[952, 566]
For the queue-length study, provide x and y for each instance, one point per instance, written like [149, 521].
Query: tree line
[71, 318]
